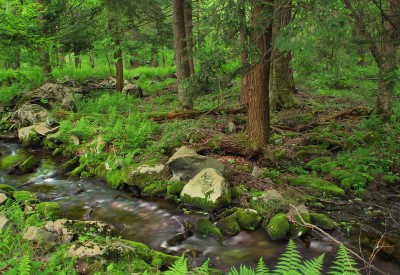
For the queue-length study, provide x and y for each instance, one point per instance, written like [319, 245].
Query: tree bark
[77, 59]
[119, 67]
[188, 10]
[91, 58]
[185, 100]
[44, 57]
[256, 81]
[244, 53]
[282, 82]
[154, 57]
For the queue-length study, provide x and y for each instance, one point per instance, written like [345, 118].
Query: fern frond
[178, 268]
[203, 269]
[313, 266]
[261, 269]
[344, 263]
[24, 265]
[243, 270]
[290, 260]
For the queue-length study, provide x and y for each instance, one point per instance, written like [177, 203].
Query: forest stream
[159, 223]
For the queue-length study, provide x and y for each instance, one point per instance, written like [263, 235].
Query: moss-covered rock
[29, 164]
[278, 227]
[296, 229]
[78, 170]
[25, 196]
[158, 188]
[248, 219]
[49, 210]
[322, 221]
[236, 192]
[32, 140]
[7, 188]
[229, 226]
[317, 184]
[11, 160]
[207, 228]
[160, 260]
[144, 175]
[68, 166]
[175, 187]
[267, 204]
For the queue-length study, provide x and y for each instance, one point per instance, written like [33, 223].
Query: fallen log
[194, 114]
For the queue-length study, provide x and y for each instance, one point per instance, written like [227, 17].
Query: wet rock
[29, 165]
[3, 221]
[186, 163]
[37, 234]
[144, 175]
[207, 228]
[297, 230]
[31, 139]
[68, 166]
[29, 114]
[248, 219]
[155, 189]
[229, 226]
[322, 221]
[207, 190]
[268, 203]
[278, 227]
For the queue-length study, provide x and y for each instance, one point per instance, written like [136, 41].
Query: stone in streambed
[29, 165]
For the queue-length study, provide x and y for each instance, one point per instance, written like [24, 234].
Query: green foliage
[289, 261]
[178, 268]
[343, 263]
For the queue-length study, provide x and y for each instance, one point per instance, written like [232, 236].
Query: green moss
[236, 192]
[49, 210]
[142, 251]
[22, 196]
[278, 227]
[7, 188]
[11, 160]
[68, 166]
[248, 219]
[175, 187]
[158, 188]
[162, 260]
[57, 151]
[205, 204]
[79, 170]
[207, 228]
[322, 164]
[305, 153]
[138, 265]
[32, 140]
[317, 184]
[229, 226]
[322, 221]
[29, 164]
[296, 230]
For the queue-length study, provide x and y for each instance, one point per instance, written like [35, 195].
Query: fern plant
[178, 268]
[343, 263]
[290, 260]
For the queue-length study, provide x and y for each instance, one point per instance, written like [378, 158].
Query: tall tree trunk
[282, 82]
[189, 33]
[154, 57]
[119, 67]
[244, 53]
[256, 81]
[44, 57]
[91, 58]
[77, 58]
[185, 100]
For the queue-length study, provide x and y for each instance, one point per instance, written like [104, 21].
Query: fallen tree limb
[316, 228]
[194, 114]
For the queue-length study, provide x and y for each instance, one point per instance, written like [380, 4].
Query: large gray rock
[51, 93]
[29, 114]
[3, 221]
[132, 89]
[42, 129]
[68, 104]
[186, 163]
[37, 234]
[207, 190]
[144, 175]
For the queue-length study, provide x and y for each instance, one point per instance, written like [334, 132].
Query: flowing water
[153, 222]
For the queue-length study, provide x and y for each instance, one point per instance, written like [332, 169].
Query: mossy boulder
[160, 260]
[322, 221]
[155, 189]
[296, 229]
[31, 140]
[144, 175]
[79, 170]
[7, 188]
[68, 166]
[25, 196]
[317, 185]
[229, 226]
[278, 227]
[29, 165]
[207, 228]
[49, 210]
[175, 187]
[267, 204]
[248, 219]
[11, 160]
[207, 190]
[186, 163]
